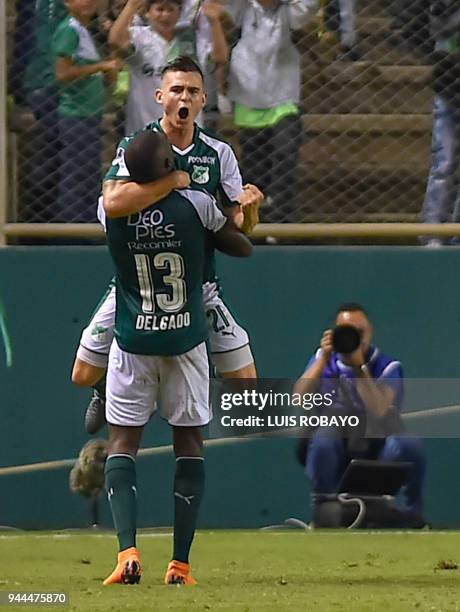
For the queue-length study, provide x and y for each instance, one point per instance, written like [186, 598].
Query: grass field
[244, 570]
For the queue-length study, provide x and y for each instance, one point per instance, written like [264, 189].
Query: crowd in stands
[77, 64]
[74, 61]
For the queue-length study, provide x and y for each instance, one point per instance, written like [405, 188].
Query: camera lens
[345, 339]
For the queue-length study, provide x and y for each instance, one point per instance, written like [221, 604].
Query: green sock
[120, 483]
[188, 491]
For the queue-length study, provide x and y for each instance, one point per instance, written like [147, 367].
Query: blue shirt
[381, 367]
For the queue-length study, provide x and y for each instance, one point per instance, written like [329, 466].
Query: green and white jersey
[212, 166]
[40, 70]
[159, 255]
[82, 97]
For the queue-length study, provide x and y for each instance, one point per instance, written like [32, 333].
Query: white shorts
[96, 339]
[137, 385]
[228, 341]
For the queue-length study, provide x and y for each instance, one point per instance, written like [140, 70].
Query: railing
[362, 167]
[281, 231]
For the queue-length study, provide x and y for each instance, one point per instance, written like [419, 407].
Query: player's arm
[250, 201]
[225, 235]
[123, 198]
[231, 240]
[249, 197]
[119, 34]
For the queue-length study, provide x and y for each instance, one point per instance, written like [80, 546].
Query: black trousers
[269, 158]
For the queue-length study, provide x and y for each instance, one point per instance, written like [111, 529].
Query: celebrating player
[204, 162]
[159, 351]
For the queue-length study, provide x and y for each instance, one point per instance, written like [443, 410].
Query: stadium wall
[286, 297]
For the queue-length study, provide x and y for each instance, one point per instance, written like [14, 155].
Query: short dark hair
[149, 156]
[351, 307]
[182, 63]
[148, 3]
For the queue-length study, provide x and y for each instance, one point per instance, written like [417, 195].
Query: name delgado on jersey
[163, 322]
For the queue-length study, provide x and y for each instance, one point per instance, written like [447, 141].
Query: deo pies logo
[149, 224]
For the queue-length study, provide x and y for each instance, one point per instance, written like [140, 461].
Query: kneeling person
[159, 352]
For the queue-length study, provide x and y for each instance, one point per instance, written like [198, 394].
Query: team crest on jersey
[200, 175]
[99, 332]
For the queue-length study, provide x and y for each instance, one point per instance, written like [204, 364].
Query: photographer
[442, 198]
[368, 383]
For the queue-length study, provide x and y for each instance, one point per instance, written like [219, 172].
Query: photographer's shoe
[95, 413]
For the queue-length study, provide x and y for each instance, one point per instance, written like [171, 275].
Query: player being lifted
[159, 352]
[203, 162]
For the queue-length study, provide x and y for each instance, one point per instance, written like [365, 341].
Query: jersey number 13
[167, 302]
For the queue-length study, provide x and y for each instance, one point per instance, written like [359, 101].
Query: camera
[346, 339]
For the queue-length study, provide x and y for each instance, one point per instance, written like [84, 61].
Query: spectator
[152, 46]
[40, 88]
[442, 198]
[264, 84]
[80, 71]
[193, 16]
[23, 43]
[340, 17]
[369, 383]
[121, 90]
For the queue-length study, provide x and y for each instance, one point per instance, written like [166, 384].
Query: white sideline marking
[68, 536]
[289, 533]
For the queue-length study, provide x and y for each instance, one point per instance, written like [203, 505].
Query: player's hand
[250, 201]
[181, 179]
[250, 195]
[251, 217]
[213, 10]
[326, 343]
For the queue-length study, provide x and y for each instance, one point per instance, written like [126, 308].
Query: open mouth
[183, 112]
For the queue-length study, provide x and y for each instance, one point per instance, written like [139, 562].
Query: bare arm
[213, 11]
[378, 398]
[123, 198]
[232, 241]
[119, 34]
[67, 70]
[250, 201]
[310, 379]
